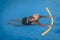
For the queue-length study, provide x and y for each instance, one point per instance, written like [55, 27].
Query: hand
[49, 25]
[50, 16]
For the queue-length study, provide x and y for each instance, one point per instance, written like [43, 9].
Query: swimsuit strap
[27, 19]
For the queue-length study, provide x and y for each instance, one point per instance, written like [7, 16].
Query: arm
[45, 17]
[39, 24]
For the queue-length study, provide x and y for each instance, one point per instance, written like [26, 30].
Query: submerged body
[31, 20]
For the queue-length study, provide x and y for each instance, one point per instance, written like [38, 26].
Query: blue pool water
[23, 8]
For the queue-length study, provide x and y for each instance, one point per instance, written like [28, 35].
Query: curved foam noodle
[52, 21]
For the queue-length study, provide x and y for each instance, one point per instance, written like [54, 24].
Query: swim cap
[36, 16]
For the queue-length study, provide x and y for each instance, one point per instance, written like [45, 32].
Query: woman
[34, 19]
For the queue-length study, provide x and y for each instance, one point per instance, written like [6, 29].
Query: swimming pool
[24, 8]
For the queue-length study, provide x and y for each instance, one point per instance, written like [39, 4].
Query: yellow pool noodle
[52, 21]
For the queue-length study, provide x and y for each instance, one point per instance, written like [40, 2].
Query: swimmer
[34, 19]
